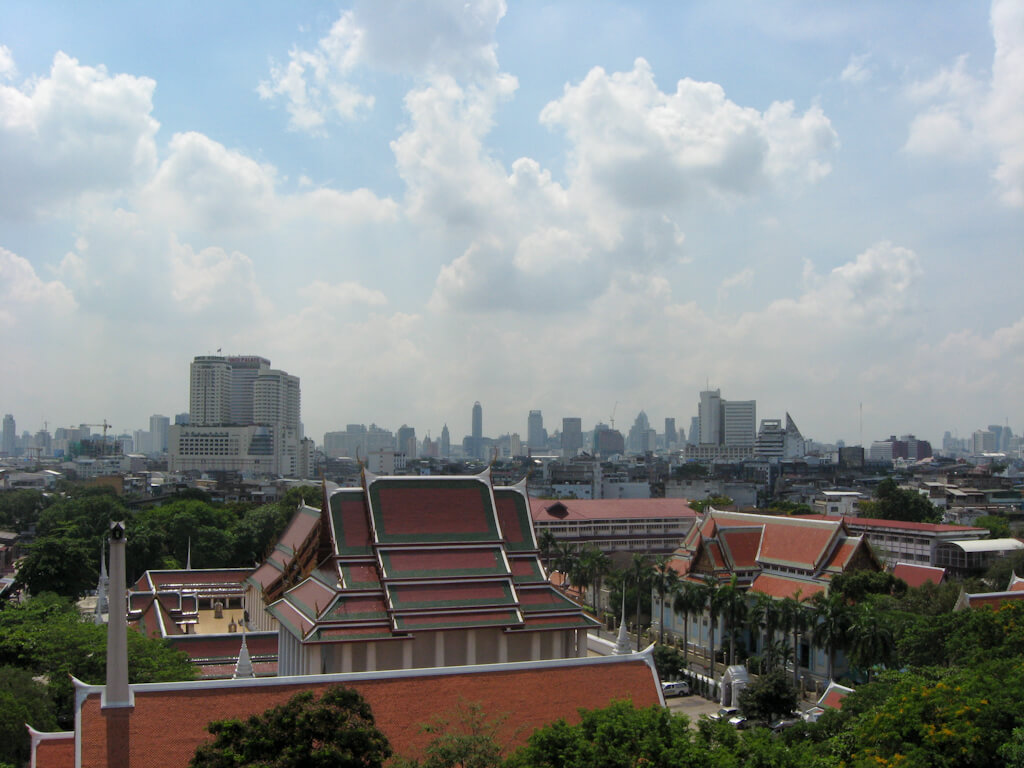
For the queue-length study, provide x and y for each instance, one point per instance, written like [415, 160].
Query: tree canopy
[336, 730]
[894, 503]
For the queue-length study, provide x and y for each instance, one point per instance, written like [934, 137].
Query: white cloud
[27, 300]
[78, 130]
[212, 278]
[451, 38]
[322, 294]
[7, 69]
[856, 71]
[742, 279]
[645, 148]
[962, 113]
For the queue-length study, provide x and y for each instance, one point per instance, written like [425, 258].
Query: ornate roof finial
[243, 668]
[188, 557]
[622, 646]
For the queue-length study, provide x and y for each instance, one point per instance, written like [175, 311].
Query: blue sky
[561, 205]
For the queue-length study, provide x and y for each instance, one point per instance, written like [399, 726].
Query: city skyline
[577, 208]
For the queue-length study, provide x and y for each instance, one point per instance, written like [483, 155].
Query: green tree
[689, 601]
[894, 503]
[733, 607]
[464, 738]
[857, 585]
[764, 614]
[768, 697]
[871, 638]
[713, 604]
[618, 736]
[336, 730]
[665, 580]
[47, 636]
[831, 621]
[641, 574]
[61, 563]
[998, 526]
[22, 700]
[718, 502]
[796, 618]
[20, 508]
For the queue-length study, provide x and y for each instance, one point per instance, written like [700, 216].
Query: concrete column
[371, 657]
[407, 654]
[116, 692]
[535, 647]
[439, 649]
[471, 647]
[502, 647]
[581, 643]
[346, 657]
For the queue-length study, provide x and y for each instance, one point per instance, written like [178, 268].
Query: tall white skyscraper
[276, 398]
[244, 370]
[10, 436]
[709, 415]
[158, 426]
[739, 422]
[210, 391]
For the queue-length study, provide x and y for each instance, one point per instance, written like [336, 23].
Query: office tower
[515, 444]
[446, 443]
[738, 422]
[771, 439]
[276, 398]
[405, 440]
[983, 441]
[795, 445]
[572, 436]
[10, 436]
[535, 437]
[210, 391]
[181, 419]
[158, 426]
[693, 437]
[671, 437]
[637, 441]
[709, 414]
[477, 444]
[244, 371]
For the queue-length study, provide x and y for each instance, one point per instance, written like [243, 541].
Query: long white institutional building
[244, 417]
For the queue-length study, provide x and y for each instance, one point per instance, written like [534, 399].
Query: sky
[585, 207]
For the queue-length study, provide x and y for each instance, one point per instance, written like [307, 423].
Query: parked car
[778, 726]
[739, 722]
[725, 713]
[681, 688]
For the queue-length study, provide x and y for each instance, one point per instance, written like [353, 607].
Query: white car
[675, 689]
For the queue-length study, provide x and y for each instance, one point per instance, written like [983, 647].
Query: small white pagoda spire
[244, 666]
[102, 587]
[622, 646]
[188, 557]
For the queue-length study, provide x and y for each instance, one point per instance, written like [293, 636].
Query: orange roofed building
[167, 721]
[783, 557]
[411, 572]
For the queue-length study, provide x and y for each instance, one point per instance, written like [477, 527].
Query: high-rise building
[739, 422]
[446, 443]
[671, 437]
[535, 435]
[182, 419]
[158, 426]
[709, 414]
[477, 444]
[244, 370]
[405, 441]
[572, 436]
[227, 390]
[9, 440]
[638, 439]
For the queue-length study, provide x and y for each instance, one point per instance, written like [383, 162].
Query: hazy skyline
[559, 206]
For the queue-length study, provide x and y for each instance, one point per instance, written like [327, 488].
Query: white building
[739, 418]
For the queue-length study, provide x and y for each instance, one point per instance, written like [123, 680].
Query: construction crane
[104, 426]
[612, 419]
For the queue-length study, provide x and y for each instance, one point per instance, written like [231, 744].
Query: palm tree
[832, 619]
[601, 565]
[641, 573]
[734, 609]
[764, 613]
[794, 615]
[548, 545]
[871, 638]
[714, 605]
[689, 599]
[665, 580]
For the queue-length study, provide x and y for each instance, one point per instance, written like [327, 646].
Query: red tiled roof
[742, 546]
[525, 696]
[1016, 584]
[408, 511]
[612, 509]
[444, 562]
[993, 599]
[350, 522]
[301, 525]
[361, 576]
[514, 519]
[871, 522]
[780, 587]
[918, 575]
[453, 620]
[357, 608]
[842, 554]
[795, 544]
[448, 594]
[833, 697]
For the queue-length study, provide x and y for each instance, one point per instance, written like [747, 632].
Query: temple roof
[409, 554]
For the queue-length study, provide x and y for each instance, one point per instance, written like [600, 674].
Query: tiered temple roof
[779, 556]
[408, 554]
